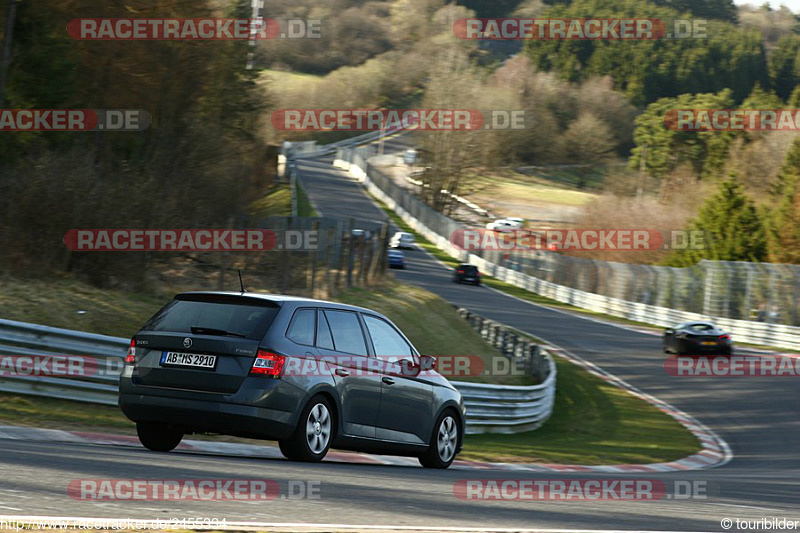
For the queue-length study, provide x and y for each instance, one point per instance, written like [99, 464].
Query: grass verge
[593, 423]
[71, 304]
[304, 207]
[277, 202]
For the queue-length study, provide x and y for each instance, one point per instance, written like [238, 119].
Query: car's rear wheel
[158, 437]
[312, 438]
[444, 442]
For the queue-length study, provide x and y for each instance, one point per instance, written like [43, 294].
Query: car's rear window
[241, 317]
[468, 269]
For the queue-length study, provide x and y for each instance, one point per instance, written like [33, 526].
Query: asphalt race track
[759, 418]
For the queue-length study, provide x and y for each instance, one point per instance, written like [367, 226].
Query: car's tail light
[460, 271]
[724, 337]
[268, 364]
[131, 357]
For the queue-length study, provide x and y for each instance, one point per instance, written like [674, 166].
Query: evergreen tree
[784, 66]
[732, 229]
[783, 228]
[664, 148]
[783, 223]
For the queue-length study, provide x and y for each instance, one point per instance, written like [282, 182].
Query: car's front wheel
[312, 438]
[444, 442]
[158, 437]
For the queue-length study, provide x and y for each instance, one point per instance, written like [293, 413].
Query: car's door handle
[388, 381]
[342, 372]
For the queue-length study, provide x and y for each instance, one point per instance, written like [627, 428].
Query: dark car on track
[696, 338]
[465, 273]
[308, 373]
[395, 258]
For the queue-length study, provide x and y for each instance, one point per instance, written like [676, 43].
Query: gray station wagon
[308, 373]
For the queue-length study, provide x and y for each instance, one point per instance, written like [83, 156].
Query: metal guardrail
[310, 150]
[765, 333]
[491, 408]
[99, 386]
[506, 408]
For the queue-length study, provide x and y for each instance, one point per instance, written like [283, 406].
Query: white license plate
[188, 359]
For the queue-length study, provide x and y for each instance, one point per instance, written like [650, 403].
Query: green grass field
[593, 423]
[277, 202]
[512, 188]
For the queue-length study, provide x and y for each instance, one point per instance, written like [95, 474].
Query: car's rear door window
[302, 327]
[347, 334]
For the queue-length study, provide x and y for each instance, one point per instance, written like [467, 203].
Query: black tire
[304, 446]
[681, 349]
[666, 350]
[158, 437]
[432, 457]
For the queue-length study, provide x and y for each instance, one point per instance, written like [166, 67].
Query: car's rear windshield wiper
[200, 330]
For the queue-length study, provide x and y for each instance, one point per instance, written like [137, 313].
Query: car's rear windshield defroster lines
[237, 318]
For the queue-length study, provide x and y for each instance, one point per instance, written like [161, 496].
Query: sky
[794, 5]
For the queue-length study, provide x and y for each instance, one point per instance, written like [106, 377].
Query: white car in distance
[505, 224]
[402, 239]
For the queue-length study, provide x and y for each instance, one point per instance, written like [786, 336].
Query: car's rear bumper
[261, 408]
[198, 416]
